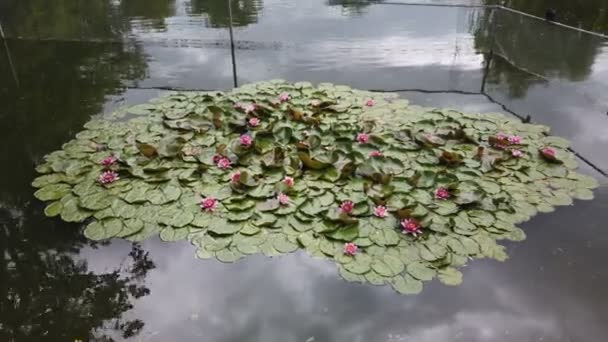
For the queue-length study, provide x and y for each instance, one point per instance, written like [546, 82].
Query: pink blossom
[411, 226]
[283, 199]
[254, 122]
[235, 177]
[350, 248]
[501, 136]
[224, 163]
[380, 211]
[108, 177]
[248, 108]
[514, 139]
[209, 204]
[548, 152]
[516, 153]
[109, 161]
[284, 97]
[246, 140]
[288, 181]
[375, 154]
[370, 103]
[363, 138]
[347, 207]
[442, 193]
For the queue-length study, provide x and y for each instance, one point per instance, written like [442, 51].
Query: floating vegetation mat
[394, 194]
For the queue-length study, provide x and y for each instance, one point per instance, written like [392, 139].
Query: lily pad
[412, 192]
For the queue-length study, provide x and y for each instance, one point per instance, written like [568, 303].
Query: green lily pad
[189, 172]
[387, 266]
[361, 264]
[406, 284]
[53, 192]
[421, 271]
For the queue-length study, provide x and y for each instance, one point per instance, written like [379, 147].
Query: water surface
[76, 59]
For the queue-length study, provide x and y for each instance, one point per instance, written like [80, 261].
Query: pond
[67, 62]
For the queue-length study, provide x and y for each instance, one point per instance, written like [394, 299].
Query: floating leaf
[348, 233]
[387, 265]
[420, 271]
[223, 227]
[281, 244]
[171, 234]
[53, 209]
[53, 192]
[450, 276]
[360, 264]
[406, 284]
[321, 148]
[103, 230]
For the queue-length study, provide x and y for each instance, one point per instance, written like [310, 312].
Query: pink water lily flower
[284, 97]
[411, 226]
[548, 152]
[216, 158]
[375, 154]
[235, 177]
[288, 181]
[347, 207]
[381, 211]
[209, 204]
[516, 153]
[501, 136]
[283, 199]
[514, 139]
[350, 248]
[109, 161]
[224, 163]
[370, 103]
[254, 122]
[246, 140]
[442, 193]
[248, 108]
[108, 177]
[363, 138]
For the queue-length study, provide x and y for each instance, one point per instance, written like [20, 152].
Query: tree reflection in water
[244, 12]
[529, 51]
[353, 7]
[47, 291]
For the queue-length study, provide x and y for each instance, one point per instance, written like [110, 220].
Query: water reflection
[244, 12]
[92, 288]
[151, 14]
[588, 14]
[537, 50]
[80, 19]
[47, 291]
[296, 298]
[353, 7]
[533, 62]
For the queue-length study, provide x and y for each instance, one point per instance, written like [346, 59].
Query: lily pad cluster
[394, 194]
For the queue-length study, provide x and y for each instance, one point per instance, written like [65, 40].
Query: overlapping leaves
[167, 161]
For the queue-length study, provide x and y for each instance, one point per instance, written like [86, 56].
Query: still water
[69, 60]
